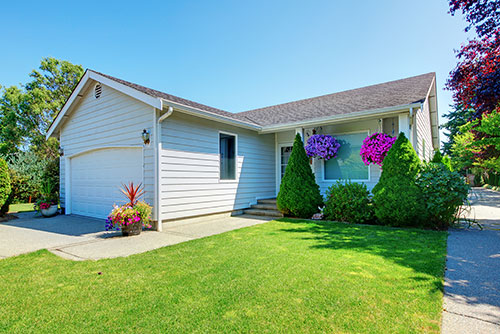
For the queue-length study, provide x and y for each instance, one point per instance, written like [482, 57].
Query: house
[201, 160]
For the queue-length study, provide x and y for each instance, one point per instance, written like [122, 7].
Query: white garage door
[97, 176]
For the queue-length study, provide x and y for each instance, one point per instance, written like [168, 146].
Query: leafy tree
[27, 112]
[299, 194]
[475, 81]
[12, 131]
[438, 157]
[397, 199]
[5, 187]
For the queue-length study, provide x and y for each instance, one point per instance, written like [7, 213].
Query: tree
[12, 132]
[299, 194]
[27, 112]
[397, 199]
[457, 118]
[5, 187]
[475, 81]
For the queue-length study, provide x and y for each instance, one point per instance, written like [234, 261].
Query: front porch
[348, 164]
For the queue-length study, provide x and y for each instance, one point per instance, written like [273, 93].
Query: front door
[286, 150]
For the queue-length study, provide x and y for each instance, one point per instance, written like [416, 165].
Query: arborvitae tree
[438, 157]
[397, 199]
[299, 194]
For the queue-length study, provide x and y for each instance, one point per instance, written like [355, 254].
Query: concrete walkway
[472, 279]
[83, 238]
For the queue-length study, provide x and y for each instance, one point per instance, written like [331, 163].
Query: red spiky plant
[132, 192]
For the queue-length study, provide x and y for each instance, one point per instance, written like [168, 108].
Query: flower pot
[51, 211]
[132, 229]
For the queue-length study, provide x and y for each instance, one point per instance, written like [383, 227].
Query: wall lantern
[61, 151]
[145, 136]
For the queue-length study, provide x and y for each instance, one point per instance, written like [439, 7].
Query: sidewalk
[472, 279]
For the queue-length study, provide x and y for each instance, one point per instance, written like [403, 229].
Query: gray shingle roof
[173, 98]
[388, 94]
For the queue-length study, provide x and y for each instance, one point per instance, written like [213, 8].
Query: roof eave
[341, 118]
[90, 75]
[209, 115]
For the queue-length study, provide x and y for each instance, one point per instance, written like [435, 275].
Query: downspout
[158, 167]
[411, 127]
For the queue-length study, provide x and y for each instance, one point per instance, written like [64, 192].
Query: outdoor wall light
[145, 136]
[61, 151]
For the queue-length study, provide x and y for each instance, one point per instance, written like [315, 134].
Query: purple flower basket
[322, 147]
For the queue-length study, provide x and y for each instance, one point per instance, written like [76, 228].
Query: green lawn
[279, 277]
[21, 207]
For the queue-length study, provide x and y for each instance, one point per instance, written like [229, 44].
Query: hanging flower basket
[322, 147]
[375, 148]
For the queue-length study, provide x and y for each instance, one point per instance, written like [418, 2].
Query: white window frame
[236, 174]
[353, 180]
[280, 146]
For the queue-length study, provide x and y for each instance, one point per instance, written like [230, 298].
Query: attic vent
[97, 91]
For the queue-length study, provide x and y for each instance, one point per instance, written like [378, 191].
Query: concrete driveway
[82, 238]
[472, 278]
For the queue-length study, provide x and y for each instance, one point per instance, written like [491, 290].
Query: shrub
[348, 202]
[299, 194]
[443, 192]
[5, 187]
[396, 197]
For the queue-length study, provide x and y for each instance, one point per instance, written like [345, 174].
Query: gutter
[340, 118]
[163, 117]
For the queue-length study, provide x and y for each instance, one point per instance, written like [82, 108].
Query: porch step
[265, 206]
[267, 201]
[262, 212]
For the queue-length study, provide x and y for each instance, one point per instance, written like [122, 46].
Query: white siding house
[201, 160]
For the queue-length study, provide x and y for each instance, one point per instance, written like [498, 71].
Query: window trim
[367, 131]
[236, 174]
[280, 146]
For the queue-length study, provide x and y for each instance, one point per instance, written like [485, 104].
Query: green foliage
[438, 157]
[27, 172]
[299, 194]
[397, 199]
[348, 202]
[456, 119]
[462, 156]
[443, 193]
[447, 162]
[27, 111]
[5, 187]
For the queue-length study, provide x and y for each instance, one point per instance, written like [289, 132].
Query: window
[348, 163]
[227, 156]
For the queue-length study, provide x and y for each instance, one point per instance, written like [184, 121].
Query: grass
[21, 207]
[284, 276]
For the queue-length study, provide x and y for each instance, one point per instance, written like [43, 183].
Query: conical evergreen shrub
[437, 158]
[299, 195]
[396, 197]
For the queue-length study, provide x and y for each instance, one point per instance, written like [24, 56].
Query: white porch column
[300, 131]
[404, 125]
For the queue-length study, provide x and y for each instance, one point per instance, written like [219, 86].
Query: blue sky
[236, 55]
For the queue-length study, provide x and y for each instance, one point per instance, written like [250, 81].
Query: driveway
[83, 238]
[472, 279]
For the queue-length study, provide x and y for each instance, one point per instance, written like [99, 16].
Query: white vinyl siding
[190, 184]
[423, 144]
[114, 119]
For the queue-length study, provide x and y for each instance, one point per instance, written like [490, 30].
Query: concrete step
[267, 201]
[265, 206]
[267, 213]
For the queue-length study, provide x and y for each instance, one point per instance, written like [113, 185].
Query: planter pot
[132, 229]
[51, 211]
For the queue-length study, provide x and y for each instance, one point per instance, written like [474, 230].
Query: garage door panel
[97, 176]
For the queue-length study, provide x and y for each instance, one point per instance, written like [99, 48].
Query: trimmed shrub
[348, 202]
[299, 194]
[5, 187]
[443, 192]
[396, 197]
